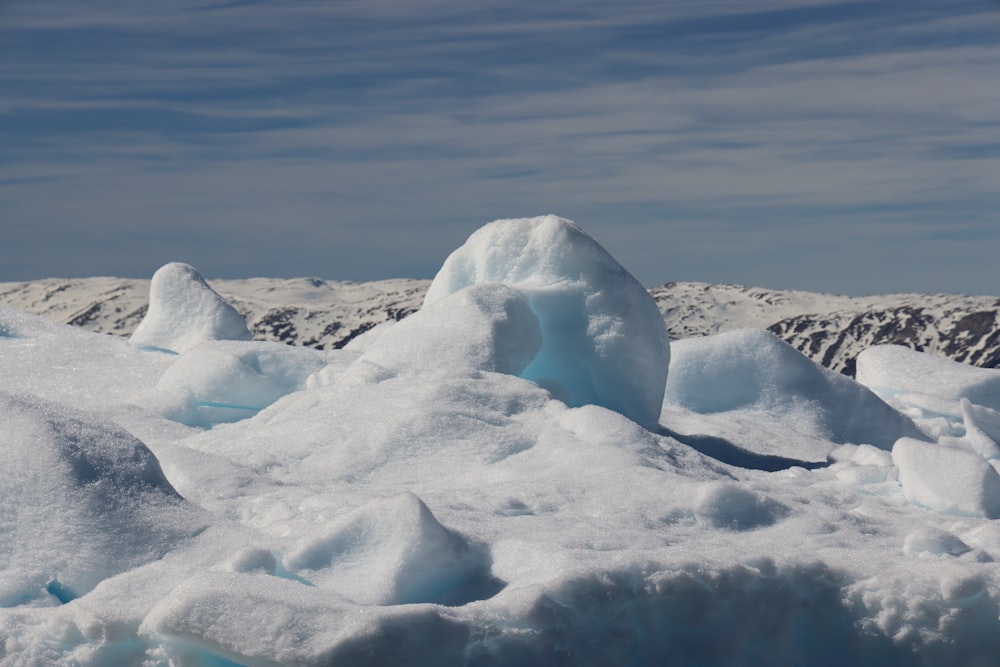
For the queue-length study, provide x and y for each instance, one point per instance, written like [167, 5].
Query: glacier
[526, 471]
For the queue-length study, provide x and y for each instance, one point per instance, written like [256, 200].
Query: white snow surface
[417, 499]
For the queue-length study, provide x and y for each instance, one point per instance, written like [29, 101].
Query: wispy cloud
[701, 140]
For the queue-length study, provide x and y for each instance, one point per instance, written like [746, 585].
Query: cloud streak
[695, 142]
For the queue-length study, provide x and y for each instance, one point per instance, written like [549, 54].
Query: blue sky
[848, 147]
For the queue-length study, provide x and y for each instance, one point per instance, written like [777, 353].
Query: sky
[843, 147]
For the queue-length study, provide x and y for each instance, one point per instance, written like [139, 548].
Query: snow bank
[603, 339]
[184, 311]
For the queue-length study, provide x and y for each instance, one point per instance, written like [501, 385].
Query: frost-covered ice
[508, 477]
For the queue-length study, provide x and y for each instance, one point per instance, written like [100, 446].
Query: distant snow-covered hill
[298, 311]
[830, 329]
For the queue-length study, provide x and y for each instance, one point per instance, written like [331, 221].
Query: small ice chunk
[934, 542]
[253, 560]
[947, 479]
[225, 381]
[982, 429]
[603, 339]
[184, 311]
[962, 591]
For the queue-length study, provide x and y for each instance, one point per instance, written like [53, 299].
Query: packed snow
[524, 472]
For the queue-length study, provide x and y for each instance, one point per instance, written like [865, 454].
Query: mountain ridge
[325, 314]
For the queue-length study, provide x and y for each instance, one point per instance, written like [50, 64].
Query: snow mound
[394, 551]
[947, 479]
[753, 370]
[603, 339]
[729, 506]
[184, 311]
[82, 500]
[892, 370]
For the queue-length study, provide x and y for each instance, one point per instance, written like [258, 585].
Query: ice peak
[184, 311]
[603, 340]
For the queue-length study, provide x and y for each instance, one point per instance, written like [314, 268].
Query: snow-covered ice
[510, 476]
[603, 339]
[184, 311]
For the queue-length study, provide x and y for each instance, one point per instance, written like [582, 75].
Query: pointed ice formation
[184, 311]
[603, 339]
[394, 551]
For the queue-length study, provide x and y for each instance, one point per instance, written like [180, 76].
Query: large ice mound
[184, 311]
[603, 339]
[754, 370]
[82, 500]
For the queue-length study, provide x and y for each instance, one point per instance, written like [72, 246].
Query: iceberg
[603, 339]
[509, 476]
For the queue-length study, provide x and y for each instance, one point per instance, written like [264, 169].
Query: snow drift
[487, 482]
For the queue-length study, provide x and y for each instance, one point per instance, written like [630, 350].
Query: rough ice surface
[603, 340]
[184, 311]
[425, 498]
